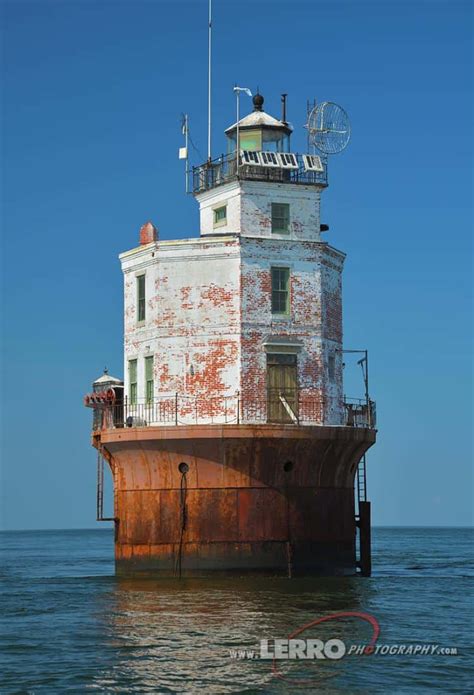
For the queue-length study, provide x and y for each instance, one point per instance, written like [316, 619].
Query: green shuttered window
[280, 291]
[141, 298]
[149, 379]
[220, 216]
[132, 380]
[280, 218]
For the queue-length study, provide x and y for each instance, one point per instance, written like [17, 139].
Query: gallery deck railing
[223, 170]
[176, 409]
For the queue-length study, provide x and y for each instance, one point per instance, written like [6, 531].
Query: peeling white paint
[208, 304]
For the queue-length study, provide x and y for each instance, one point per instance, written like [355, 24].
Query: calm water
[68, 625]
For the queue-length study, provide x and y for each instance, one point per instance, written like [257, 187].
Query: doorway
[282, 388]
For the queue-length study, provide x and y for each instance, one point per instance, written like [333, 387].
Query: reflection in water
[168, 634]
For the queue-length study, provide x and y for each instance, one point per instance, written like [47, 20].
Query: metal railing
[176, 409]
[360, 413]
[223, 169]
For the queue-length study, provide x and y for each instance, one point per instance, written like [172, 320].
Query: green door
[282, 388]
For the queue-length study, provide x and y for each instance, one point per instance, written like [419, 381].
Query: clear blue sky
[91, 102]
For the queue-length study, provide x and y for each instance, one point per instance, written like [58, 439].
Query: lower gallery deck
[194, 500]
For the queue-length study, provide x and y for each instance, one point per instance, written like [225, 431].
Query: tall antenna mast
[209, 83]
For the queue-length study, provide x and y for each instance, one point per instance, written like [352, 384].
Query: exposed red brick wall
[148, 233]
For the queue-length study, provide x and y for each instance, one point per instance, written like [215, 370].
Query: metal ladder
[363, 542]
[100, 487]
[361, 481]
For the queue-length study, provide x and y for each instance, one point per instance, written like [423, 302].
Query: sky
[91, 102]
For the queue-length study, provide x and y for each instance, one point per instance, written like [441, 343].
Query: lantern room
[264, 154]
[259, 131]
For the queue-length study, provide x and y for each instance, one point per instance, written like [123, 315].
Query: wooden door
[282, 388]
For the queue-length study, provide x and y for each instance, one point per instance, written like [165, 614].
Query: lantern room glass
[260, 139]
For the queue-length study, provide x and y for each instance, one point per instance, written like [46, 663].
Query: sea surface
[69, 625]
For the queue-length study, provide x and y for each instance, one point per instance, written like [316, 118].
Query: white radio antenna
[209, 83]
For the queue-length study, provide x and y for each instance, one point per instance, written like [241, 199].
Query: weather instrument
[329, 127]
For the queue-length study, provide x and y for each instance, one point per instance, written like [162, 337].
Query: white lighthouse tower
[233, 379]
[257, 298]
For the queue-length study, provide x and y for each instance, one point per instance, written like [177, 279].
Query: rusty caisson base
[268, 499]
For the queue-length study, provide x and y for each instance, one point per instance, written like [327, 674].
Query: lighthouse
[231, 445]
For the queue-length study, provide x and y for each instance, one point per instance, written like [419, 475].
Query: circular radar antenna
[329, 127]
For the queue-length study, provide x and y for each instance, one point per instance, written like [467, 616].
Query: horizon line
[104, 528]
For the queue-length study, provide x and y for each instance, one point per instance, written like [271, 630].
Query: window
[132, 381]
[331, 367]
[149, 379]
[140, 298]
[280, 290]
[220, 216]
[250, 140]
[280, 218]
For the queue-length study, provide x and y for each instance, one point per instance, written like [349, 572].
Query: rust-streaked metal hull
[244, 513]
